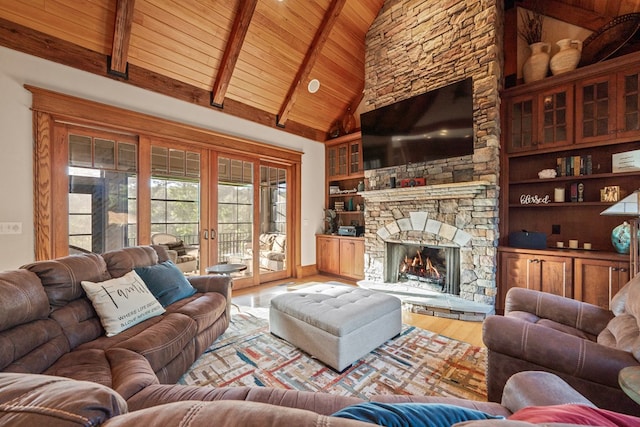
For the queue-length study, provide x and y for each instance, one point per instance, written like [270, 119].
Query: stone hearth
[462, 215]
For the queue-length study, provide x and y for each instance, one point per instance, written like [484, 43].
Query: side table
[225, 269]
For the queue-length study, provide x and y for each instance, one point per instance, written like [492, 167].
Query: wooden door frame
[53, 108]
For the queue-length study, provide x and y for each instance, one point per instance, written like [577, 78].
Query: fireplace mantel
[455, 190]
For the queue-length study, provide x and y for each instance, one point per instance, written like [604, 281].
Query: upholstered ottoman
[337, 324]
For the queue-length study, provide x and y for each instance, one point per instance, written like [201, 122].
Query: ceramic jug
[567, 58]
[536, 66]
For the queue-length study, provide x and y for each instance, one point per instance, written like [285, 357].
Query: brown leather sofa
[584, 344]
[49, 326]
[29, 400]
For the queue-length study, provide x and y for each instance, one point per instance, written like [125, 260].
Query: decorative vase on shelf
[536, 66]
[567, 58]
[621, 238]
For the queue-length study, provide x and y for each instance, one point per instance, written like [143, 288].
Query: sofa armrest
[45, 400]
[228, 413]
[577, 314]
[214, 283]
[563, 353]
[539, 388]
[130, 371]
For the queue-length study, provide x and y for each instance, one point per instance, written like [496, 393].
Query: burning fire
[419, 267]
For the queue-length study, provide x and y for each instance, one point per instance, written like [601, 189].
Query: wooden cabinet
[541, 120]
[340, 255]
[352, 258]
[595, 109]
[344, 156]
[535, 270]
[628, 102]
[598, 280]
[328, 254]
[589, 276]
[344, 174]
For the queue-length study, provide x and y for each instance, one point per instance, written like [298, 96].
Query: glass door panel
[273, 219]
[235, 217]
[175, 205]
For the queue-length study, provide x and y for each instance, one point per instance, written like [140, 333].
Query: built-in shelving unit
[590, 113]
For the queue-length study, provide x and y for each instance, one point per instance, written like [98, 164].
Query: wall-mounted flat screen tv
[434, 125]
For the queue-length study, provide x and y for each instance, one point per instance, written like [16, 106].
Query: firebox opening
[432, 267]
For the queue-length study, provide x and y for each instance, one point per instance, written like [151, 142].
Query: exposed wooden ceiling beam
[571, 14]
[23, 39]
[121, 36]
[232, 51]
[320, 38]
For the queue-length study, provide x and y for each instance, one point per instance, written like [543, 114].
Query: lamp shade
[625, 207]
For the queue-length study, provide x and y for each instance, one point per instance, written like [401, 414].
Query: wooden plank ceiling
[249, 58]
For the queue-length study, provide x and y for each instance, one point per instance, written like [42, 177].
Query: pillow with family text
[122, 302]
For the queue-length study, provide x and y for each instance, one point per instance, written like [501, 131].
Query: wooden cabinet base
[340, 255]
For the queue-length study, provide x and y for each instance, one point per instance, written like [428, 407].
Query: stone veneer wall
[415, 46]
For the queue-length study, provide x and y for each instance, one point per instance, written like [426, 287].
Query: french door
[247, 218]
[104, 179]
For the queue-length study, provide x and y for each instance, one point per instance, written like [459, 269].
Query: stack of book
[574, 165]
[339, 206]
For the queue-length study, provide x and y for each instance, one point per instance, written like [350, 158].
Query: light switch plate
[10, 228]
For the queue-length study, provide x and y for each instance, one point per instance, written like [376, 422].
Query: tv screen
[434, 125]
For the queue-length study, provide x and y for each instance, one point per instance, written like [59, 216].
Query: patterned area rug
[418, 362]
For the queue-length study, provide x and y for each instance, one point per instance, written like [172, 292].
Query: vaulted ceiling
[249, 58]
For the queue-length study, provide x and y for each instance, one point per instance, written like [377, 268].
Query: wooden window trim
[51, 109]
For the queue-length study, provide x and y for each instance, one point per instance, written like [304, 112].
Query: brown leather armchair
[583, 344]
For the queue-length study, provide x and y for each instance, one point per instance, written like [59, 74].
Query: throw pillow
[122, 302]
[574, 414]
[411, 414]
[166, 282]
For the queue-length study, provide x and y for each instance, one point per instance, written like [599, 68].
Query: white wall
[16, 142]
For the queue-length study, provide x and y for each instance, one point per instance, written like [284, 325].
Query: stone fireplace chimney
[413, 47]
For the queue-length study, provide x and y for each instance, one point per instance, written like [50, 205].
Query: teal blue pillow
[166, 282]
[411, 414]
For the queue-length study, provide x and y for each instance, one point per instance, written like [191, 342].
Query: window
[102, 194]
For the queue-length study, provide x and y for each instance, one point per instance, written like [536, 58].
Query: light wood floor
[259, 296]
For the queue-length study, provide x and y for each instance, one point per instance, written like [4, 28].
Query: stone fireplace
[414, 46]
[456, 220]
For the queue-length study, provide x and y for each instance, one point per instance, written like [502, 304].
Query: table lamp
[629, 207]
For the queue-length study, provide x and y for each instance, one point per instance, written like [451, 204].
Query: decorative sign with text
[534, 199]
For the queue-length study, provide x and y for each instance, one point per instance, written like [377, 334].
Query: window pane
[159, 159]
[80, 151]
[105, 154]
[127, 157]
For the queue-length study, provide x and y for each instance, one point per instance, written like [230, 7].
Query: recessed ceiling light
[313, 86]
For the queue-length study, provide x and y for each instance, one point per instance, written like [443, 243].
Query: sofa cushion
[79, 322]
[22, 299]
[122, 261]
[623, 332]
[84, 365]
[279, 243]
[574, 414]
[166, 282]
[122, 302]
[61, 277]
[205, 309]
[411, 414]
[32, 347]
